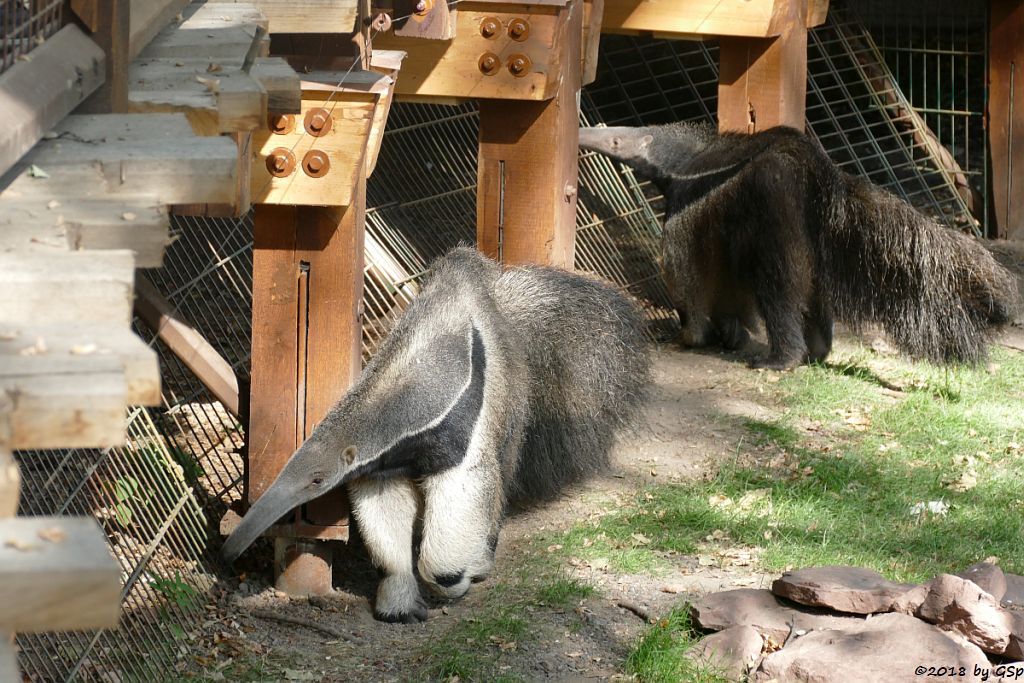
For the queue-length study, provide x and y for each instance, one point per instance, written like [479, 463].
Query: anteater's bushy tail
[588, 366]
[937, 293]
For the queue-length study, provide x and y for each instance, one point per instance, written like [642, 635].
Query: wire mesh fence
[24, 24]
[160, 499]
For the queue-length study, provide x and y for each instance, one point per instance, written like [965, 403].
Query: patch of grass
[660, 653]
[834, 479]
[471, 647]
[563, 591]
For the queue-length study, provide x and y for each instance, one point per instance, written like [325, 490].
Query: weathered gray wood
[216, 98]
[65, 403]
[211, 30]
[282, 83]
[58, 345]
[128, 154]
[8, 659]
[310, 16]
[82, 286]
[148, 18]
[56, 574]
[46, 226]
[10, 478]
[36, 94]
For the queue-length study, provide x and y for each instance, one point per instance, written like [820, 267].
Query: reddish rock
[762, 610]
[845, 589]
[989, 578]
[888, 647]
[1014, 595]
[1015, 645]
[733, 650]
[910, 600]
[959, 605]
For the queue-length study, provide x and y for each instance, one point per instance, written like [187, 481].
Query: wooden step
[148, 18]
[211, 30]
[97, 156]
[67, 287]
[48, 226]
[56, 574]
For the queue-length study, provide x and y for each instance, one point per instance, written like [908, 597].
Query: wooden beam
[48, 226]
[762, 82]
[527, 169]
[1006, 116]
[80, 286]
[40, 348]
[112, 36]
[56, 574]
[36, 94]
[148, 19]
[452, 68]
[211, 30]
[155, 155]
[187, 344]
[8, 659]
[592, 16]
[310, 16]
[696, 19]
[10, 477]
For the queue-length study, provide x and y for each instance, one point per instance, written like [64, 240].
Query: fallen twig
[299, 621]
[636, 609]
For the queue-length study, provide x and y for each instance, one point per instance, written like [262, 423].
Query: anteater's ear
[348, 456]
[645, 141]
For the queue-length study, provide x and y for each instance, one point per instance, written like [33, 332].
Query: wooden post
[109, 22]
[306, 351]
[527, 168]
[762, 82]
[1006, 116]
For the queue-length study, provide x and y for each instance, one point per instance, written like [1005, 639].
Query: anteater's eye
[317, 481]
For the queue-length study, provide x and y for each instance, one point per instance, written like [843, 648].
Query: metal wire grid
[185, 456]
[24, 24]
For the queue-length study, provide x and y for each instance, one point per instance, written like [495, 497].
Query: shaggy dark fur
[767, 224]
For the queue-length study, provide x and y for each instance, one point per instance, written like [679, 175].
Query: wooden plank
[10, 477]
[128, 154]
[36, 348]
[187, 344]
[345, 145]
[56, 574]
[762, 82]
[283, 86]
[451, 69]
[79, 286]
[8, 659]
[698, 18]
[112, 36]
[1006, 116]
[65, 402]
[593, 11]
[215, 98]
[211, 30]
[388, 63]
[138, 224]
[526, 194]
[310, 16]
[36, 94]
[149, 18]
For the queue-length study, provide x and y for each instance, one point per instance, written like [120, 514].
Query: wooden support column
[109, 22]
[527, 167]
[762, 82]
[306, 351]
[1006, 116]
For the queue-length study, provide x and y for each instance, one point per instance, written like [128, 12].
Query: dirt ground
[691, 420]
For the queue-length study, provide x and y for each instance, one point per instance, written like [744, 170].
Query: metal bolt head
[519, 65]
[421, 6]
[489, 27]
[318, 121]
[381, 22]
[280, 162]
[489, 63]
[281, 124]
[518, 30]
[316, 163]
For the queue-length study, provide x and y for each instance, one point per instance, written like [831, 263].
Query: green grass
[563, 592]
[833, 480]
[660, 653]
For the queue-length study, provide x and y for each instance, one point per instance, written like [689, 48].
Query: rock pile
[832, 624]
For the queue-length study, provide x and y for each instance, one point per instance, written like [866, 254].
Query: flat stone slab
[894, 648]
[959, 605]
[732, 651]
[1014, 595]
[853, 590]
[988, 576]
[764, 611]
